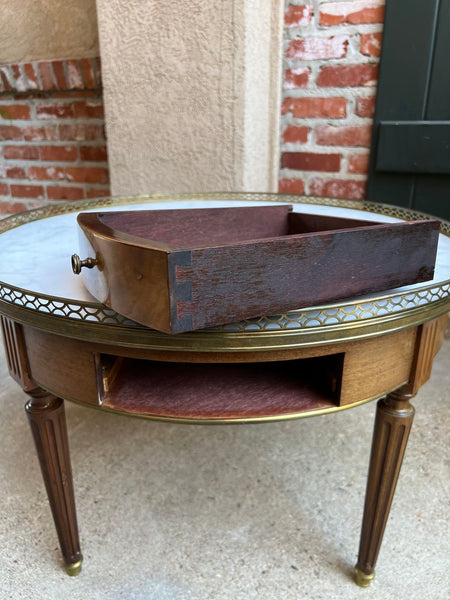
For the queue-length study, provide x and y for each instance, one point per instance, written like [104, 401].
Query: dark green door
[410, 154]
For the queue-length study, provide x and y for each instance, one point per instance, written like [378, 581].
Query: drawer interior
[194, 228]
[210, 391]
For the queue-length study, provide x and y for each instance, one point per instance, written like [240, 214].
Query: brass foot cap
[363, 579]
[73, 568]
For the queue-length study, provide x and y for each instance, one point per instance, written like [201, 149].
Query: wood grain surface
[48, 425]
[393, 422]
[16, 354]
[197, 228]
[360, 369]
[429, 340]
[208, 267]
[277, 275]
[220, 391]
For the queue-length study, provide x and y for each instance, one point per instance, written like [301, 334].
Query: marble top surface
[36, 255]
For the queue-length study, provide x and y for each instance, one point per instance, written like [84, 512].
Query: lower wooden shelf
[220, 391]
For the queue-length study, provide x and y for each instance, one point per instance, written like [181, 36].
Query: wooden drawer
[181, 270]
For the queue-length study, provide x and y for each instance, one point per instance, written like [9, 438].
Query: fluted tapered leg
[392, 426]
[48, 425]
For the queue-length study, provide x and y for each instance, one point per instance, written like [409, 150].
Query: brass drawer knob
[78, 264]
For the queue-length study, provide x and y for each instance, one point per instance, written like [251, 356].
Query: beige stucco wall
[47, 29]
[191, 92]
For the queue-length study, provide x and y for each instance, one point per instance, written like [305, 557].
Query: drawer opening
[194, 228]
[209, 391]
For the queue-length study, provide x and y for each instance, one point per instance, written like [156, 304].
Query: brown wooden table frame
[50, 367]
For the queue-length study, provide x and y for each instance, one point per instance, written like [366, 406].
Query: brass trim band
[219, 341]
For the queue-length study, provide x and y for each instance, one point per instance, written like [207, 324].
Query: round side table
[63, 345]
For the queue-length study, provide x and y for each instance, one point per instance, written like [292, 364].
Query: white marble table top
[36, 256]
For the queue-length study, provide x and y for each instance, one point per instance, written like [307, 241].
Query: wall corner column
[192, 94]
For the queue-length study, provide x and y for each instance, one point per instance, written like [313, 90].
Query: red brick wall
[330, 73]
[52, 138]
[52, 133]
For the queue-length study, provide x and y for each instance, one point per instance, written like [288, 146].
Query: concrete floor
[172, 512]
